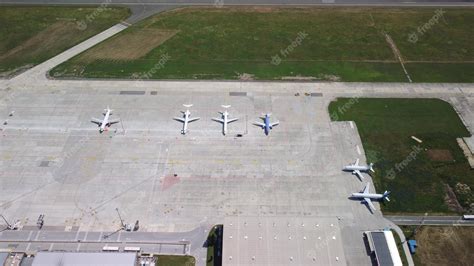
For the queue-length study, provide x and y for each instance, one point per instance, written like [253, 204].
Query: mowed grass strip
[32, 34]
[175, 260]
[417, 174]
[129, 47]
[345, 44]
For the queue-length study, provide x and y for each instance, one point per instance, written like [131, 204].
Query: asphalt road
[430, 220]
[250, 2]
[142, 9]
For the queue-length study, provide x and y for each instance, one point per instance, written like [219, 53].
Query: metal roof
[270, 241]
[381, 249]
[84, 259]
[385, 248]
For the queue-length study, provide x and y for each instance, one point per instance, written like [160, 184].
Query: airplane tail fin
[108, 110]
[371, 167]
[385, 195]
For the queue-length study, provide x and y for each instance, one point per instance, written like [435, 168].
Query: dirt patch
[445, 245]
[46, 39]
[330, 77]
[16, 71]
[246, 76]
[298, 78]
[130, 46]
[440, 155]
[451, 200]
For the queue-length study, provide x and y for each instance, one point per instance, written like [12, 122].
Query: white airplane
[267, 125]
[225, 119]
[185, 119]
[105, 122]
[357, 169]
[367, 197]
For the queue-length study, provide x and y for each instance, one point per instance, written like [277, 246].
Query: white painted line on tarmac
[352, 124]
[358, 150]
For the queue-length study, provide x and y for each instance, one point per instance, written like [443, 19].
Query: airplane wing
[232, 120]
[357, 162]
[358, 174]
[369, 202]
[367, 188]
[96, 121]
[179, 119]
[259, 124]
[193, 119]
[275, 123]
[114, 121]
[218, 120]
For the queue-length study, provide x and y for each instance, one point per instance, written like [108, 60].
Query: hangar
[298, 241]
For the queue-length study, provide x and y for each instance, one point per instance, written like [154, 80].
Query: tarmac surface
[55, 162]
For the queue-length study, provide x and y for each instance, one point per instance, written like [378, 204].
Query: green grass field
[346, 44]
[416, 174]
[31, 35]
[171, 260]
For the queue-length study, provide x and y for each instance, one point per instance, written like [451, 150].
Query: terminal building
[383, 248]
[282, 241]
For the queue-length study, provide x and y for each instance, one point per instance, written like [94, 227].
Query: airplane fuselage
[105, 121]
[356, 167]
[367, 195]
[226, 120]
[186, 121]
[268, 125]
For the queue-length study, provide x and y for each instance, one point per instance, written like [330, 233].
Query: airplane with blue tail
[266, 125]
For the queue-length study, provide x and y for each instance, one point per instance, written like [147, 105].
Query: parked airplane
[357, 169]
[185, 119]
[225, 119]
[105, 122]
[266, 125]
[366, 196]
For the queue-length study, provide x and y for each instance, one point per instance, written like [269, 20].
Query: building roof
[282, 241]
[84, 259]
[385, 248]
